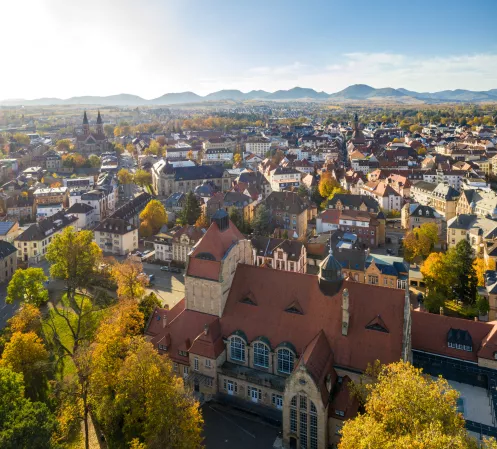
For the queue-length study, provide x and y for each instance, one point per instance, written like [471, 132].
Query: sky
[61, 48]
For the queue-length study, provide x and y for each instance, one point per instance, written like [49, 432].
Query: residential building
[184, 240]
[116, 236]
[442, 197]
[163, 245]
[477, 201]
[258, 145]
[290, 211]
[167, 179]
[8, 261]
[85, 214]
[282, 178]
[384, 195]
[280, 254]
[387, 271]
[101, 199]
[476, 230]
[82, 183]
[219, 142]
[353, 202]
[33, 242]
[218, 155]
[131, 210]
[413, 215]
[46, 210]
[52, 195]
[9, 230]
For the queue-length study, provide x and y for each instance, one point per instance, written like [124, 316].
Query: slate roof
[353, 201]
[46, 227]
[6, 249]
[265, 246]
[115, 226]
[79, 208]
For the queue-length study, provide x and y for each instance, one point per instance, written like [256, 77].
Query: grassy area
[460, 309]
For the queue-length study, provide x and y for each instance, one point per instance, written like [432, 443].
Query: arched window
[285, 361]
[237, 349]
[261, 355]
[304, 421]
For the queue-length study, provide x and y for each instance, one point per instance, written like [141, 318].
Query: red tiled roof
[429, 334]
[275, 290]
[215, 243]
[344, 401]
[183, 330]
[330, 216]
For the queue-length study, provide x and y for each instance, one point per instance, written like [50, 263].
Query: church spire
[100, 124]
[99, 118]
[86, 126]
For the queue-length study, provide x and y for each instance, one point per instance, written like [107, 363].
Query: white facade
[119, 244]
[259, 147]
[47, 210]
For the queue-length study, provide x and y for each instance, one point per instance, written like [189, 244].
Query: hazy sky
[64, 48]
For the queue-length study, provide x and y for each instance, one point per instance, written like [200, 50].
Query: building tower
[100, 124]
[86, 126]
[330, 275]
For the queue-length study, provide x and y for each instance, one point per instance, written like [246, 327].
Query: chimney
[441, 310]
[345, 311]
[164, 321]
[206, 329]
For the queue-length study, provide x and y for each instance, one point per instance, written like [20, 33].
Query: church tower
[86, 126]
[100, 124]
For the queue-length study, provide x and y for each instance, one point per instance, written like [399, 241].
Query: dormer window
[460, 339]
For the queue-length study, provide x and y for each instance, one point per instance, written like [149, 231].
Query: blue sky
[150, 47]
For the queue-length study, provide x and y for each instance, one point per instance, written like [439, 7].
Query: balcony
[253, 376]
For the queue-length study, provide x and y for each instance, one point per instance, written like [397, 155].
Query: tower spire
[86, 126]
[100, 125]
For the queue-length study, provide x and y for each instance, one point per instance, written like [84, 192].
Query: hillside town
[276, 260]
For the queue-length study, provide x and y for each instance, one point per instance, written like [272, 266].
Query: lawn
[460, 309]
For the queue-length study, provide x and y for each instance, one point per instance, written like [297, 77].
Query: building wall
[8, 266]
[121, 244]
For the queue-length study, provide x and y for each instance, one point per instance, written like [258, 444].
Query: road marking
[233, 422]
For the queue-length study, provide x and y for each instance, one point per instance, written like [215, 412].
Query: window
[185, 371]
[285, 361]
[261, 355]
[373, 279]
[313, 426]
[339, 413]
[207, 363]
[175, 367]
[237, 349]
[277, 401]
[183, 353]
[208, 382]
[303, 430]
[195, 363]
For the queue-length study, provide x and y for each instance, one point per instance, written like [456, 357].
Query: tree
[415, 129]
[438, 273]
[22, 139]
[191, 210]
[94, 161]
[26, 319]
[202, 222]
[463, 266]
[74, 257]
[23, 423]
[26, 286]
[147, 305]
[142, 178]
[235, 217]
[130, 148]
[262, 220]
[327, 185]
[481, 265]
[124, 177]
[117, 131]
[109, 130]
[407, 409]
[237, 158]
[189, 155]
[302, 191]
[419, 242]
[154, 148]
[25, 353]
[154, 214]
[130, 279]
[156, 407]
[64, 145]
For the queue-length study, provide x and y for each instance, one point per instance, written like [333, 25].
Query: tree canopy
[191, 210]
[153, 217]
[27, 286]
[130, 279]
[142, 178]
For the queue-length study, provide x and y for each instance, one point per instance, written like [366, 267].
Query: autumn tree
[481, 265]
[142, 178]
[327, 185]
[64, 145]
[26, 319]
[26, 286]
[130, 279]
[154, 148]
[152, 218]
[23, 423]
[419, 242]
[407, 409]
[22, 139]
[124, 177]
[109, 130]
[26, 354]
[130, 148]
[191, 210]
[202, 222]
[237, 158]
[155, 405]
[94, 161]
[147, 305]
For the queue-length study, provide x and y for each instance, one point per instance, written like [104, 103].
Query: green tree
[27, 286]
[147, 305]
[236, 218]
[302, 191]
[124, 176]
[23, 424]
[21, 138]
[94, 161]
[467, 278]
[142, 178]
[74, 257]
[407, 409]
[262, 220]
[191, 210]
[109, 130]
[64, 145]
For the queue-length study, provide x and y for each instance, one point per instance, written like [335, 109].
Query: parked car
[164, 268]
[175, 270]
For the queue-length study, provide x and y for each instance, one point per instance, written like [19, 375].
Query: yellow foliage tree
[130, 279]
[406, 409]
[237, 158]
[142, 178]
[26, 319]
[154, 215]
[202, 222]
[124, 176]
[481, 265]
[25, 353]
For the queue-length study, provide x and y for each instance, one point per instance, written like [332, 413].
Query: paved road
[169, 287]
[235, 430]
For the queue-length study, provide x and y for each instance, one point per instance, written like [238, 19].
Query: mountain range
[354, 93]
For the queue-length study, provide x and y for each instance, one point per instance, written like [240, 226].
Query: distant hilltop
[354, 93]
